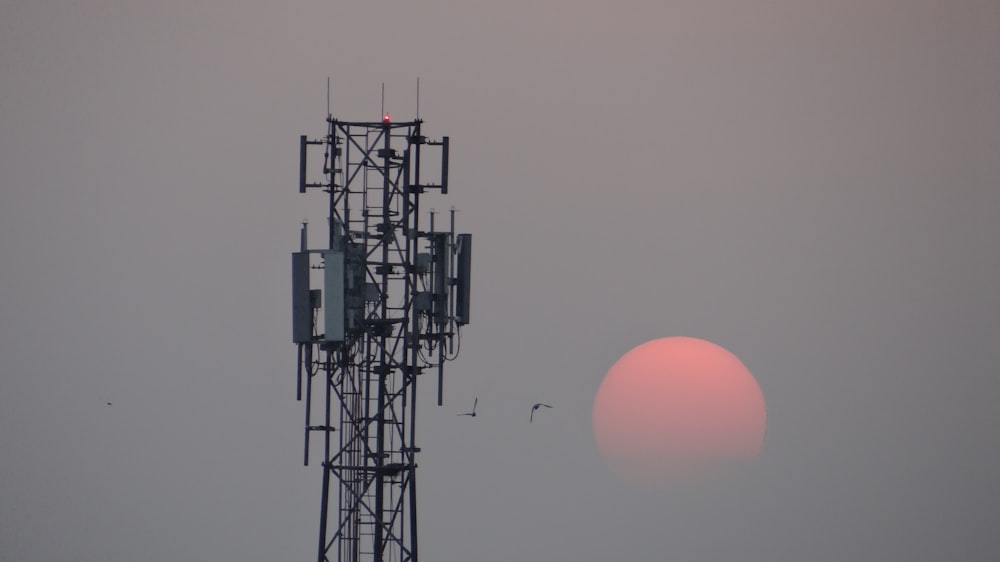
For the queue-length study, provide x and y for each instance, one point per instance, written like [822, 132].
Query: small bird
[473, 412]
[535, 407]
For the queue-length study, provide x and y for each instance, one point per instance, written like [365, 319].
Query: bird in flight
[535, 407]
[473, 412]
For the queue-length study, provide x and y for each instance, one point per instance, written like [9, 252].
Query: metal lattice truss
[398, 320]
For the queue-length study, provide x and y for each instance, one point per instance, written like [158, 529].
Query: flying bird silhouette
[473, 412]
[535, 407]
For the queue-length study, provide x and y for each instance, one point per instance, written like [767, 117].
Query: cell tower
[391, 299]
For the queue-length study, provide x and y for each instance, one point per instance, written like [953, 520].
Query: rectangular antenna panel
[302, 163]
[444, 165]
[333, 286]
[464, 278]
[354, 287]
[440, 277]
[302, 327]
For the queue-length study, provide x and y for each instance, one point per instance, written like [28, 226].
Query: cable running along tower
[382, 302]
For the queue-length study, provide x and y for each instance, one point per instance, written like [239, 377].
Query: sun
[678, 407]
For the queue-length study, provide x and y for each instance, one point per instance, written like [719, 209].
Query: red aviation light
[385, 118]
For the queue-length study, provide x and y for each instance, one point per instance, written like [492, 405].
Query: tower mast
[390, 302]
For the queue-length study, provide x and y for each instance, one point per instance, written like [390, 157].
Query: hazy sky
[813, 185]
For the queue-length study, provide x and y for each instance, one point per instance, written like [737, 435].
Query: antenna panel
[441, 268]
[464, 278]
[333, 286]
[302, 327]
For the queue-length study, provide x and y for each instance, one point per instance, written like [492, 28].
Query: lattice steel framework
[392, 304]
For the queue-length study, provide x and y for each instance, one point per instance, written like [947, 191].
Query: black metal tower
[393, 296]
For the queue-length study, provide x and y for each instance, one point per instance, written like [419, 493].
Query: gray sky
[813, 185]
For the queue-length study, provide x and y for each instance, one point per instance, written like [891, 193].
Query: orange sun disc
[677, 406]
